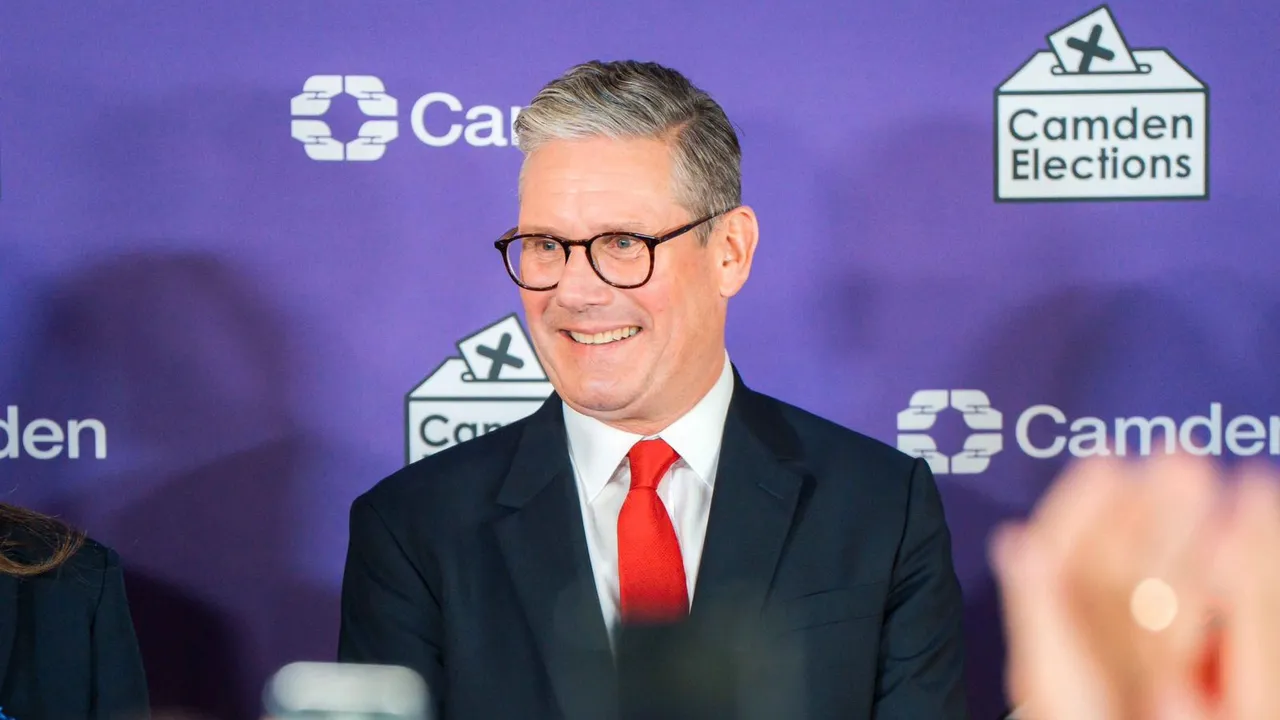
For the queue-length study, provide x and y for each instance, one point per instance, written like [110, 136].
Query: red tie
[650, 568]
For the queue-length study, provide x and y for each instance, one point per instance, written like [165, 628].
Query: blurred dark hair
[32, 543]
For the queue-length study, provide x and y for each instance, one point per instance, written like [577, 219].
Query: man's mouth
[605, 337]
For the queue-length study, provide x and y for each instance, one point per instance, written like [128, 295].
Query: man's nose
[580, 286]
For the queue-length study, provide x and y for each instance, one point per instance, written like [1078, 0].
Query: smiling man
[811, 563]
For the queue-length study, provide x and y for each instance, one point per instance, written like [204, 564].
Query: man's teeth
[601, 338]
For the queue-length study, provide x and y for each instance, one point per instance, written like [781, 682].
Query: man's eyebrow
[636, 226]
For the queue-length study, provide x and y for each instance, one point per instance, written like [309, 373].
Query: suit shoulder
[823, 437]
[80, 579]
[95, 556]
[92, 567]
[462, 476]
[35, 542]
[851, 467]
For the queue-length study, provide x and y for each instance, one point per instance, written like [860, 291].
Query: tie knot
[649, 462]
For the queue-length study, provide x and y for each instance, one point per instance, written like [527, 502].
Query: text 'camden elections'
[1099, 147]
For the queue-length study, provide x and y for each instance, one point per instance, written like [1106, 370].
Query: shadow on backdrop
[190, 369]
[919, 255]
[1168, 347]
[957, 290]
[769, 311]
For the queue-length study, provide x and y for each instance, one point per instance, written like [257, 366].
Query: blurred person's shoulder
[80, 576]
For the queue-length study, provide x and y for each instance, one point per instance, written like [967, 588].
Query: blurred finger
[1179, 494]
[1180, 701]
[1076, 503]
[1099, 534]
[1051, 673]
[1250, 574]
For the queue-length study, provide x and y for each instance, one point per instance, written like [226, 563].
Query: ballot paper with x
[1092, 44]
[494, 380]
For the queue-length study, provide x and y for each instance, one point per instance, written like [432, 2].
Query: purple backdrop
[246, 323]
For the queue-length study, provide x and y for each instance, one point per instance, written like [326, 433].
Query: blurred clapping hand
[1144, 590]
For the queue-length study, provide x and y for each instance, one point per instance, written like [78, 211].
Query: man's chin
[599, 401]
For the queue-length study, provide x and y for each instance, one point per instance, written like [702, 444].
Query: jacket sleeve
[119, 689]
[922, 647]
[390, 615]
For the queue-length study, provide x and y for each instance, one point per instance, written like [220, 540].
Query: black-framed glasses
[536, 261]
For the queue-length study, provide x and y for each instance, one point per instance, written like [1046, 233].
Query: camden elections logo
[1044, 431]
[1091, 119]
[485, 126]
[495, 379]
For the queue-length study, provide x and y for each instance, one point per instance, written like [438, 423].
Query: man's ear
[733, 246]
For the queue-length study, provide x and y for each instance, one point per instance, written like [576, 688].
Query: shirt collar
[597, 449]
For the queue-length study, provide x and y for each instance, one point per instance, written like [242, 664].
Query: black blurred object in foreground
[688, 670]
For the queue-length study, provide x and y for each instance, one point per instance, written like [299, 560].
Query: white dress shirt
[598, 452]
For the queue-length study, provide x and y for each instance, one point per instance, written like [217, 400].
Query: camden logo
[315, 134]
[47, 439]
[1045, 431]
[495, 379]
[983, 420]
[438, 119]
[1092, 119]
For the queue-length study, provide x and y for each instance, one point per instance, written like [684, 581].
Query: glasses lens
[537, 262]
[622, 259]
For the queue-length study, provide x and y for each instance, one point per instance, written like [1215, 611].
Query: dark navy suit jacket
[826, 587]
[67, 644]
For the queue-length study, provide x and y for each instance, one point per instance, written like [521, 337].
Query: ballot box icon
[1092, 119]
[494, 380]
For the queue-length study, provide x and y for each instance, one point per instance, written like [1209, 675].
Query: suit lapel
[758, 485]
[545, 548]
[8, 620]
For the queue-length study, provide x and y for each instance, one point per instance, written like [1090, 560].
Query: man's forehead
[620, 223]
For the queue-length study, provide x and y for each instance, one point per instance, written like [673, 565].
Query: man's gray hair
[630, 99]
